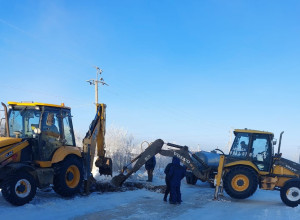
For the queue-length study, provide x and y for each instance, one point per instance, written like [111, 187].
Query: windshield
[22, 122]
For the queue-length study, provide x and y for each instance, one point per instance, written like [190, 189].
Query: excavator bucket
[105, 165]
[118, 180]
[141, 159]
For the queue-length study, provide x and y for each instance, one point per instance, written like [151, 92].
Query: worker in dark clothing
[167, 179]
[176, 174]
[150, 165]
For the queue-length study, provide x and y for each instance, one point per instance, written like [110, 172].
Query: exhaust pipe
[6, 119]
[280, 142]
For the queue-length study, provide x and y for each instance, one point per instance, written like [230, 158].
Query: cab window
[240, 145]
[22, 122]
[50, 124]
[261, 151]
[69, 138]
[50, 138]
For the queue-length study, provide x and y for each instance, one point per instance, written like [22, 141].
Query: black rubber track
[59, 182]
[8, 188]
[253, 182]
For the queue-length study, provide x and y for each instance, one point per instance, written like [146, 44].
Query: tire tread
[253, 182]
[59, 184]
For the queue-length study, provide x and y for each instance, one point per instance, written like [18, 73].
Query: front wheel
[19, 188]
[68, 176]
[240, 182]
[290, 193]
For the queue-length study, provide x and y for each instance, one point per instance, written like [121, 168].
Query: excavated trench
[127, 186]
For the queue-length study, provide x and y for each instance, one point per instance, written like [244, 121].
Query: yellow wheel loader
[37, 149]
[251, 163]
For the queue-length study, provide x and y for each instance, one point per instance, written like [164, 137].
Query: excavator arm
[94, 143]
[156, 148]
[140, 160]
[185, 157]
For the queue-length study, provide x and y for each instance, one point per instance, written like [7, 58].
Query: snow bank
[144, 204]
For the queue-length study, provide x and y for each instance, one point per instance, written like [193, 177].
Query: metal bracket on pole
[95, 82]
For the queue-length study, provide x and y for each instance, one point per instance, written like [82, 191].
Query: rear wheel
[191, 178]
[240, 182]
[290, 194]
[19, 188]
[194, 180]
[68, 176]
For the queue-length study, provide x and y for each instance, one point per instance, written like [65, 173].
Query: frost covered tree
[78, 138]
[120, 146]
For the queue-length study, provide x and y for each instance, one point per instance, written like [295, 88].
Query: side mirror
[274, 142]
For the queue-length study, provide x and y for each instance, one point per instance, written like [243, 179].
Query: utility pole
[96, 82]
[100, 139]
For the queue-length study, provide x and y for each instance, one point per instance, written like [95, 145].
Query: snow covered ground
[144, 204]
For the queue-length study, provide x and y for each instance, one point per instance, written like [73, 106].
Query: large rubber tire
[191, 178]
[290, 193]
[188, 180]
[240, 182]
[194, 180]
[19, 188]
[68, 176]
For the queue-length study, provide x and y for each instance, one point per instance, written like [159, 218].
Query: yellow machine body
[251, 162]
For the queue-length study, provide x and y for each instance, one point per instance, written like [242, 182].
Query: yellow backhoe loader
[37, 149]
[251, 162]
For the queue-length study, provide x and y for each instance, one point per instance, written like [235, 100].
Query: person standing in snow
[176, 174]
[167, 179]
[150, 165]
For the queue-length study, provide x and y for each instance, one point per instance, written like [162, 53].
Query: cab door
[68, 132]
[261, 151]
[51, 133]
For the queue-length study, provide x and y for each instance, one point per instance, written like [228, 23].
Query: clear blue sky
[183, 71]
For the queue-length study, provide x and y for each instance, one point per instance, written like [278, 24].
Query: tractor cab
[252, 145]
[47, 127]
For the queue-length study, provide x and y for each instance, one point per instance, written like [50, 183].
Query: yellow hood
[5, 141]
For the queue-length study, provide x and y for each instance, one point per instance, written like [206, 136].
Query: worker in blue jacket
[150, 165]
[167, 179]
[176, 174]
